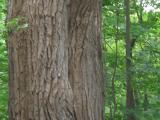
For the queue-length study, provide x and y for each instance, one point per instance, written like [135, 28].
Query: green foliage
[16, 24]
[3, 65]
[146, 60]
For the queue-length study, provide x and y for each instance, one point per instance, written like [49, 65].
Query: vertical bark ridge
[85, 69]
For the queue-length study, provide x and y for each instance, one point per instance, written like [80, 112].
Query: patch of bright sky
[151, 8]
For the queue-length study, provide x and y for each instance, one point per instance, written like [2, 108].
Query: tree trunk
[130, 104]
[55, 63]
[85, 68]
[146, 101]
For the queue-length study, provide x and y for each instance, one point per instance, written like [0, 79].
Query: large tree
[55, 63]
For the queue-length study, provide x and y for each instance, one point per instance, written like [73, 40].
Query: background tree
[130, 103]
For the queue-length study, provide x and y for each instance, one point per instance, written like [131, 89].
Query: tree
[85, 64]
[130, 103]
[55, 68]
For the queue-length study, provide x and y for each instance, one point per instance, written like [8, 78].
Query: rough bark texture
[55, 63]
[39, 86]
[85, 68]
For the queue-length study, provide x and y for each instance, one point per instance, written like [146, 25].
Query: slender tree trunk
[116, 61]
[111, 113]
[141, 12]
[136, 97]
[145, 102]
[48, 82]
[85, 65]
[130, 104]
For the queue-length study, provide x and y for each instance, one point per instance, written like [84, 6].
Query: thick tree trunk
[46, 84]
[85, 65]
[39, 86]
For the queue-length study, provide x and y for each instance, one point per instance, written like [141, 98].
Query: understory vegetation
[145, 33]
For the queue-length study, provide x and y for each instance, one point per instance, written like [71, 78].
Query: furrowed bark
[85, 65]
[55, 63]
[39, 86]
